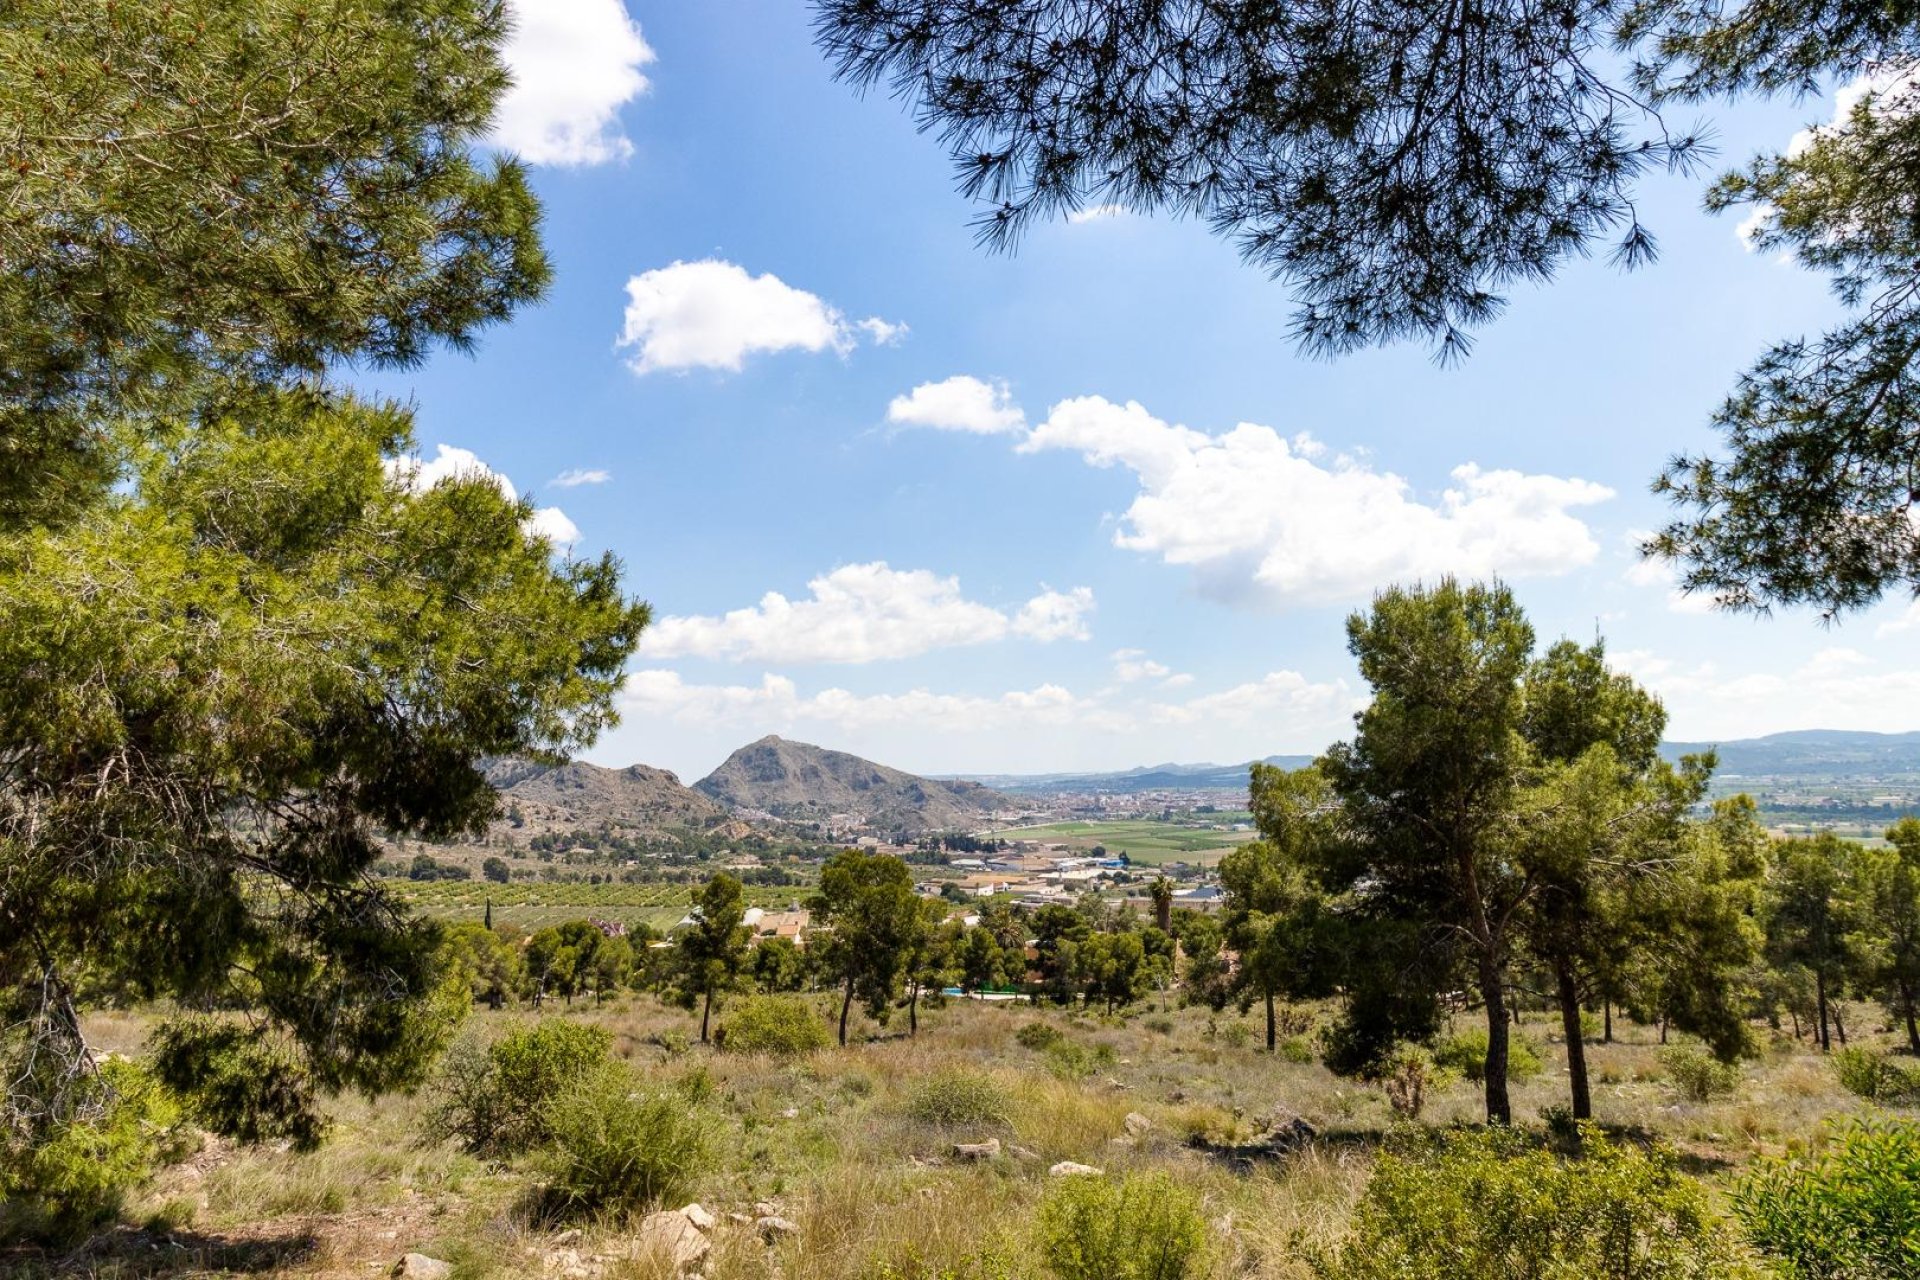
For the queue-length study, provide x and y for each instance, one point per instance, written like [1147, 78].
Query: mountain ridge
[803, 782]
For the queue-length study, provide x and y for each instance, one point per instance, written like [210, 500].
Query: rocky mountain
[1155, 777]
[806, 783]
[578, 795]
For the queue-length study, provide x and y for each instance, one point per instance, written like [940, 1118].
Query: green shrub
[1466, 1055]
[782, 1026]
[1875, 1077]
[1143, 1227]
[1851, 1211]
[958, 1099]
[615, 1147]
[1071, 1060]
[1237, 1034]
[1699, 1076]
[1159, 1025]
[495, 1099]
[1038, 1035]
[1409, 1075]
[1297, 1050]
[1492, 1205]
[62, 1183]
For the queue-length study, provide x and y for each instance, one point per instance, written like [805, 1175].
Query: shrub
[1466, 1054]
[1873, 1076]
[1852, 1210]
[1297, 1050]
[63, 1183]
[1410, 1073]
[1144, 1227]
[958, 1099]
[782, 1026]
[495, 1099]
[1071, 1060]
[1237, 1034]
[1491, 1205]
[1700, 1077]
[1038, 1035]
[614, 1147]
[1159, 1025]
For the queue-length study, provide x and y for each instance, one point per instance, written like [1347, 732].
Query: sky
[1083, 506]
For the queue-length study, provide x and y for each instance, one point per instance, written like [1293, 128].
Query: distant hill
[1157, 777]
[1811, 753]
[575, 795]
[798, 781]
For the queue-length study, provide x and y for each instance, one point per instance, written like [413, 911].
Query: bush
[1852, 1210]
[1491, 1205]
[614, 1147]
[1038, 1035]
[1071, 1060]
[1700, 1077]
[1410, 1073]
[783, 1026]
[958, 1099]
[1875, 1077]
[62, 1184]
[1144, 1227]
[1466, 1055]
[1297, 1050]
[495, 1099]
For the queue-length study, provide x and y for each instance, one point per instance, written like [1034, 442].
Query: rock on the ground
[1137, 1124]
[773, 1228]
[418, 1266]
[699, 1217]
[977, 1150]
[671, 1236]
[1073, 1169]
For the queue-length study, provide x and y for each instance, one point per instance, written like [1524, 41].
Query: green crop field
[1142, 840]
[536, 905]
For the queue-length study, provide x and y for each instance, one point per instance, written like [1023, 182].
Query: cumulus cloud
[1056, 615]
[1130, 665]
[1834, 688]
[959, 403]
[883, 333]
[777, 701]
[1264, 519]
[1096, 213]
[574, 478]
[450, 462]
[713, 315]
[865, 613]
[1890, 86]
[574, 64]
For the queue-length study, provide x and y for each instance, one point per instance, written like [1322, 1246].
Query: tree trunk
[1840, 1023]
[1576, 1045]
[1270, 1036]
[1492, 990]
[913, 1010]
[846, 1006]
[1820, 1006]
[705, 1011]
[1913, 1026]
[1607, 1005]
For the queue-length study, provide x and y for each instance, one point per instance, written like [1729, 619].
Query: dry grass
[832, 1142]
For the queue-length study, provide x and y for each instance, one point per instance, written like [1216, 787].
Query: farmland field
[536, 905]
[1141, 840]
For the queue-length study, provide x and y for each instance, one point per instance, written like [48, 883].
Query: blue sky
[1083, 507]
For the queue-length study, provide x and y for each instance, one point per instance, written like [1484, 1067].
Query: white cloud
[883, 333]
[1056, 615]
[577, 476]
[450, 462]
[1130, 665]
[574, 64]
[1890, 86]
[959, 403]
[1653, 571]
[713, 315]
[1097, 213]
[1900, 625]
[1261, 519]
[1833, 688]
[865, 613]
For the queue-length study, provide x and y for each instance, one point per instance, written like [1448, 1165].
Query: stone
[1072, 1169]
[418, 1266]
[700, 1217]
[1137, 1124]
[670, 1236]
[766, 1208]
[1021, 1153]
[570, 1236]
[773, 1228]
[977, 1150]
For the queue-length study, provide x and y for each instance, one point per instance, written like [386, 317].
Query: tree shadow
[132, 1253]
